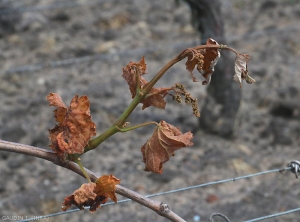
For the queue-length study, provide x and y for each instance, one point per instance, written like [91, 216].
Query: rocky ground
[35, 44]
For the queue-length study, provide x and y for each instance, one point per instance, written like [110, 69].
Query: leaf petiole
[126, 129]
[78, 161]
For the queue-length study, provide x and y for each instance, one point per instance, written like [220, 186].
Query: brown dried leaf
[93, 194]
[211, 57]
[75, 127]
[205, 59]
[130, 72]
[84, 197]
[165, 140]
[60, 113]
[106, 186]
[155, 97]
[241, 70]
[193, 60]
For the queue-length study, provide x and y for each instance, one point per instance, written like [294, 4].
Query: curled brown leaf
[93, 194]
[241, 69]
[84, 197]
[165, 140]
[129, 74]
[106, 186]
[155, 97]
[204, 59]
[211, 57]
[75, 127]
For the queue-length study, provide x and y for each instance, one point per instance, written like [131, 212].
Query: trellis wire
[294, 168]
[255, 219]
[274, 215]
[138, 51]
[70, 61]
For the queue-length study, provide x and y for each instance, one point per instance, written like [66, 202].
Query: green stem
[93, 143]
[78, 161]
[116, 126]
[161, 72]
[126, 129]
[124, 116]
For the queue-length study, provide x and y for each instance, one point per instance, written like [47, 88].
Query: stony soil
[116, 32]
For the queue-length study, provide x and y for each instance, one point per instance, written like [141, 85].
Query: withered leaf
[241, 70]
[75, 127]
[156, 95]
[155, 98]
[61, 110]
[165, 140]
[195, 58]
[130, 72]
[205, 60]
[84, 197]
[93, 194]
[211, 57]
[106, 186]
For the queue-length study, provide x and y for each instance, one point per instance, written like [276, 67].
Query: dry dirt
[116, 32]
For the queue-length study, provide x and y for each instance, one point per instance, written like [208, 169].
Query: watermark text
[18, 218]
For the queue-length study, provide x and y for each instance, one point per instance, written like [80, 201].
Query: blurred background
[80, 46]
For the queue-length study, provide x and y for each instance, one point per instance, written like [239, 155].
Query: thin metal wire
[53, 64]
[219, 182]
[140, 51]
[274, 215]
[174, 191]
[218, 215]
[255, 219]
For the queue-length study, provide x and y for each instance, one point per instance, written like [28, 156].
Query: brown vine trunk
[223, 95]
